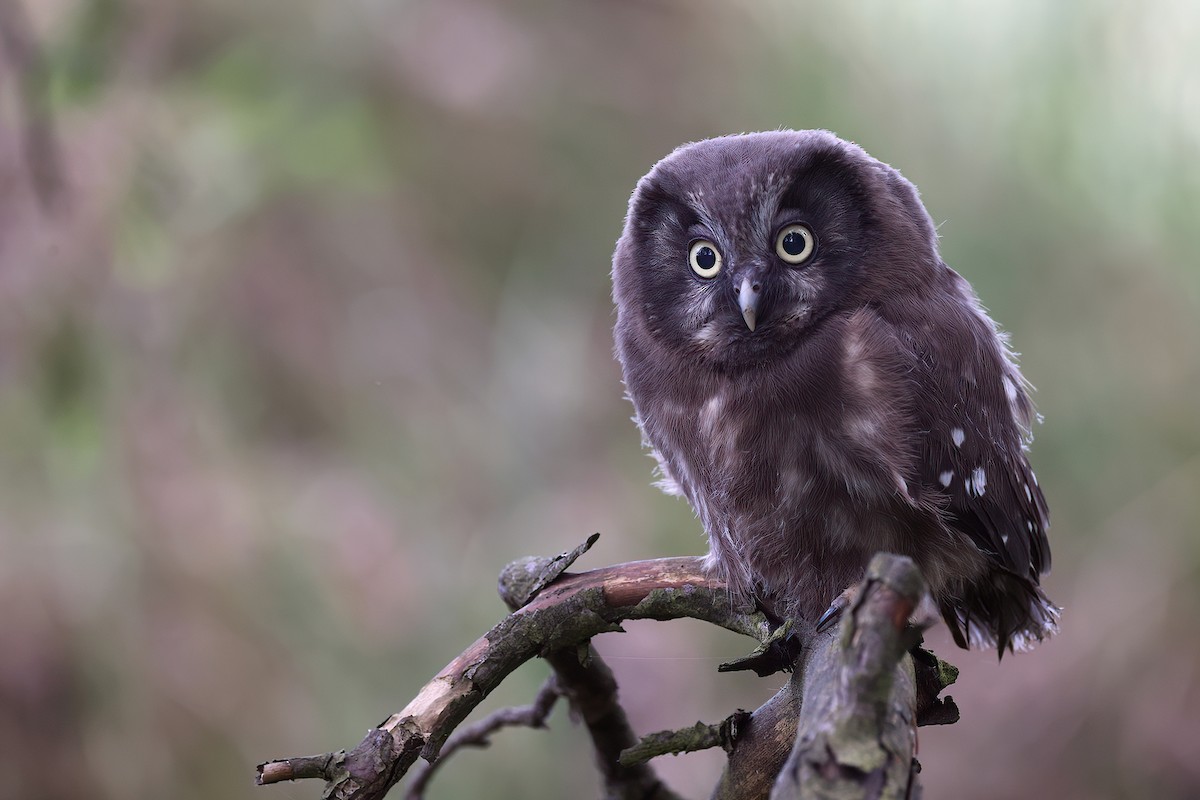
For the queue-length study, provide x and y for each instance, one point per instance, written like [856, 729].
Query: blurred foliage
[319, 340]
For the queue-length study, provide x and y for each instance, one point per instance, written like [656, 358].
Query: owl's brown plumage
[820, 386]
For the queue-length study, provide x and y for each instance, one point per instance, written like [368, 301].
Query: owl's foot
[924, 616]
[778, 653]
[833, 614]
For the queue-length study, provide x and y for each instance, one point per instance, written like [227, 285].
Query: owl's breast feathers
[810, 461]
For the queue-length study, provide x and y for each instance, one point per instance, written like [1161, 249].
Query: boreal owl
[820, 386]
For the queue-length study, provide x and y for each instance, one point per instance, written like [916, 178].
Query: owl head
[735, 248]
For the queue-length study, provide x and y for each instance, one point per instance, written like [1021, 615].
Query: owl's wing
[975, 414]
[992, 494]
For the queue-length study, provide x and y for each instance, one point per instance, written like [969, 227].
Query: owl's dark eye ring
[704, 258]
[795, 243]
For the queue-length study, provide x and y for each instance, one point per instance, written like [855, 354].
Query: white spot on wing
[958, 435]
[1028, 494]
[945, 478]
[979, 479]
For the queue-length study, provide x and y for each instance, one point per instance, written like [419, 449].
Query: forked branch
[561, 617]
[858, 689]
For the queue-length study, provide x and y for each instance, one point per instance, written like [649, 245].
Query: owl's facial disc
[748, 293]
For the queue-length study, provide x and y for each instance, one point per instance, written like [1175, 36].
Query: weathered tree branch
[687, 740]
[769, 740]
[858, 691]
[858, 730]
[762, 745]
[323, 766]
[588, 684]
[563, 615]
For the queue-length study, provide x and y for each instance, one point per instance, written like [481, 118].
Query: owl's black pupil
[706, 258]
[793, 244]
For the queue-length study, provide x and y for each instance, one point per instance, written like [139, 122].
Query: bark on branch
[858, 731]
[564, 615]
[858, 690]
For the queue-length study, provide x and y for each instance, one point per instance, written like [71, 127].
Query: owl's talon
[833, 614]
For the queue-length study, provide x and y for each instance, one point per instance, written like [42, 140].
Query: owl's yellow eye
[795, 244]
[704, 258]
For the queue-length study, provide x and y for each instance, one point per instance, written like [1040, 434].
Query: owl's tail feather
[1001, 610]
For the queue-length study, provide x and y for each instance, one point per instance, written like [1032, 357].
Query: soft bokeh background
[315, 337]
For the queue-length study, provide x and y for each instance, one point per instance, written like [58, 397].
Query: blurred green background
[315, 337]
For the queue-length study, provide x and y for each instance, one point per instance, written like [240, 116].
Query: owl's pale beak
[748, 294]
